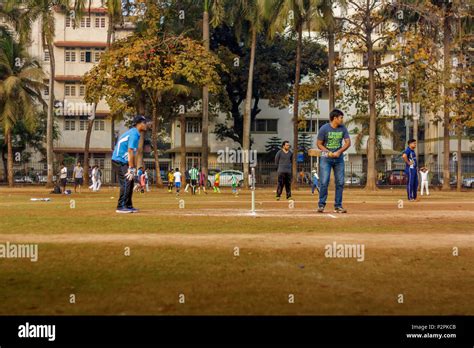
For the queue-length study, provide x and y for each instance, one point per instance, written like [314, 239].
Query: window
[83, 123]
[99, 160]
[365, 60]
[69, 90]
[264, 126]
[69, 124]
[68, 21]
[85, 22]
[312, 126]
[86, 55]
[46, 90]
[378, 57]
[99, 125]
[193, 158]
[70, 54]
[193, 126]
[82, 90]
[379, 29]
[97, 53]
[46, 55]
[260, 125]
[100, 20]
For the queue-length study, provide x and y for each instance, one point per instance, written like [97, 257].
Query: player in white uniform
[424, 180]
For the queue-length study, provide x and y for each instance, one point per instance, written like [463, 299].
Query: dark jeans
[63, 184]
[412, 184]
[284, 179]
[126, 186]
[326, 164]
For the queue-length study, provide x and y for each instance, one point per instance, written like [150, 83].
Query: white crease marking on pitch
[260, 214]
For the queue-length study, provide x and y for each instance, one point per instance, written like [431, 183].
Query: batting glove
[130, 174]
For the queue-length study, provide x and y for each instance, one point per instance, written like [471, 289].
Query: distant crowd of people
[197, 180]
[95, 174]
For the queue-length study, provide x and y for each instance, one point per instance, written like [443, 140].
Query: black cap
[139, 119]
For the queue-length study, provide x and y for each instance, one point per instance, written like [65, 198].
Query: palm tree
[383, 130]
[205, 96]
[114, 12]
[294, 13]
[20, 89]
[326, 23]
[246, 15]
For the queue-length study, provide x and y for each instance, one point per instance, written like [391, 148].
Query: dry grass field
[212, 256]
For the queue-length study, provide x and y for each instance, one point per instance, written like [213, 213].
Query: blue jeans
[326, 164]
[314, 186]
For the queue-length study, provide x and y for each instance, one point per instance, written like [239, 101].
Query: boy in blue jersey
[411, 169]
[124, 158]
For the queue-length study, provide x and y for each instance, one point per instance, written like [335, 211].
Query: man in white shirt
[424, 180]
[98, 177]
[94, 179]
[78, 175]
[63, 177]
[177, 181]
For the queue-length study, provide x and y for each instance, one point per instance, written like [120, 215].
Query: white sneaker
[124, 211]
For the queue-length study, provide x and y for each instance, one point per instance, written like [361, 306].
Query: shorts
[193, 182]
[177, 184]
[63, 181]
[78, 181]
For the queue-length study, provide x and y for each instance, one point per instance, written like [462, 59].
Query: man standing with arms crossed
[124, 158]
[331, 137]
[283, 160]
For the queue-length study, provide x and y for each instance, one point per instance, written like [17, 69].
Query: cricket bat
[317, 153]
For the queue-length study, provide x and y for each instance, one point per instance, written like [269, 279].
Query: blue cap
[139, 119]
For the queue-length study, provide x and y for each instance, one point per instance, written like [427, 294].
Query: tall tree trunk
[205, 99]
[141, 142]
[331, 57]
[9, 157]
[371, 142]
[154, 139]
[459, 162]
[296, 90]
[110, 30]
[248, 106]
[182, 148]
[50, 117]
[447, 91]
[4, 160]
[90, 126]
[141, 109]
[415, 132]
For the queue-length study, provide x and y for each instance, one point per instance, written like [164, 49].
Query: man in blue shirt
[411, 169]
[333, 140]
[124, 159]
